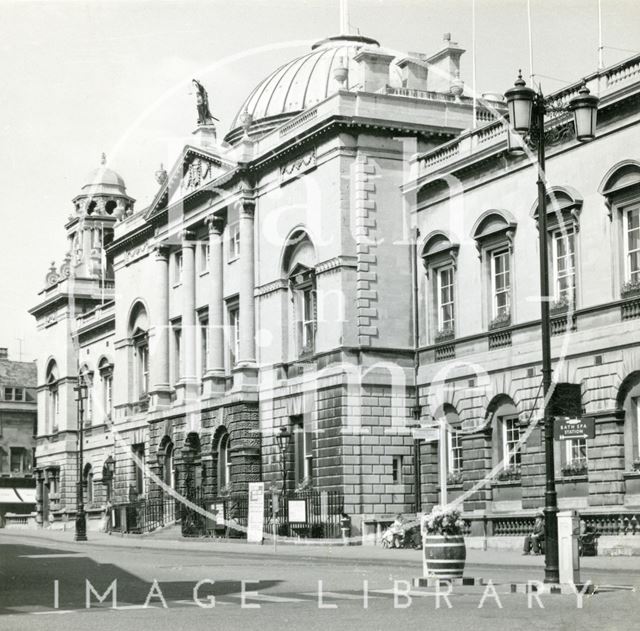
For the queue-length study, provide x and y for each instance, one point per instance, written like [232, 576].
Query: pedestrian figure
[535, 539]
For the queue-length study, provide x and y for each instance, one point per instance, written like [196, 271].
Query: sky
[81, 77]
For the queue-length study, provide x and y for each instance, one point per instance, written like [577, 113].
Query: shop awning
[15, 496]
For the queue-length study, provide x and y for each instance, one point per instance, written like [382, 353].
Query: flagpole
[600, 46]
[344, 17]
[530, 42]
[473, 62]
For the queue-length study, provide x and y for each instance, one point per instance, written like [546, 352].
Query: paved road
[280, 589]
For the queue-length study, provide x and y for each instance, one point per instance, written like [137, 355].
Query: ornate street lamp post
[527, 109]
[81, 518]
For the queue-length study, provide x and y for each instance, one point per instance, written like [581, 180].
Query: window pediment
[439, 248]
[622, 176]
[492, 227]
[564, 205]
[300, 275]
[492, 223]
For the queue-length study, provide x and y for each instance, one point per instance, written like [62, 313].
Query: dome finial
[103, 158]
[344, 17]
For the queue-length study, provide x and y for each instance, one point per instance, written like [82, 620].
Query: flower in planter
[561, 305]
[305, 485]
[455, 477]
[511, 472]
[500, 321]
[446, 333]
[630, 288]
[575, 467]
[444, 521]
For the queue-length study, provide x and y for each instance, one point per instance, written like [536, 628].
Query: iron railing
[321, 510]
[144, 515]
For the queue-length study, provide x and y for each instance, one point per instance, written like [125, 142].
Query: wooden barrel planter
[444, 556]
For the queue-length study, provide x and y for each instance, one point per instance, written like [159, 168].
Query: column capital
[161, 251]
[215, 224]
[246, 207]
[187, 238]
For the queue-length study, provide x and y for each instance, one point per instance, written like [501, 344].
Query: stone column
[246, 367]
[188, 381]
[159, 338]
[214, 379]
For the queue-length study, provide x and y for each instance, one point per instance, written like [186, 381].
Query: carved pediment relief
[196, 172]
[194, 169]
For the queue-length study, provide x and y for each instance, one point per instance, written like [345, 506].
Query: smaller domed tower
[102, 201]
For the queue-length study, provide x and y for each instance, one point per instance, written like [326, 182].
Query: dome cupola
[104, 181]
[103, 193]
[330, 66]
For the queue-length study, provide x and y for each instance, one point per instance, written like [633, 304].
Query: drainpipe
[417, 490]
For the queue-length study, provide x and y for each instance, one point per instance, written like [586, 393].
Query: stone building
[17, 435]
[476, 207]
[269, 285]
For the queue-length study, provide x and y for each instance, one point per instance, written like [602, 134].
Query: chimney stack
[444, 66]
[4, 353]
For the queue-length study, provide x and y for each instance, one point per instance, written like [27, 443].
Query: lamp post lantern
[527, 109]
[81, 517]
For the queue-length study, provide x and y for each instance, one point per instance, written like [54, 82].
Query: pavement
[626, 569]
[49, 582]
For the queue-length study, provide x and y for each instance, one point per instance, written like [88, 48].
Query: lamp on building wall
[81, 517]
[284, 438]
[527, 109]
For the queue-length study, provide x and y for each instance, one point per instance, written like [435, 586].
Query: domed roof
[104, 180]
[302, 82]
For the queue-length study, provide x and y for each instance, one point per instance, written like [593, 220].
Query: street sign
[428, 434]
[255, 521]
[570, 428]
[297, 511]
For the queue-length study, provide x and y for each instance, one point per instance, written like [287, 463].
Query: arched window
[52, 413]
[192, 458]
[439, 256]
[628, 401]
[139, 326]
[298, 265]
[564, 205]
[106, 377]
[621, 190]
[87, 480]
[302, 451]
[506, 432]
[108, 472]
[168, 466]
[86, 377]
[494, 233]
[454, 458]
[224, 463]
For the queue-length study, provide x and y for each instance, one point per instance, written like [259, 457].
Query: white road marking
[190, 602]
[61, 555]
[267, 598]
[54, 611]
[340, 596]
[390, 592]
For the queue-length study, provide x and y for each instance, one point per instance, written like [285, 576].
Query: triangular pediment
[193, 171]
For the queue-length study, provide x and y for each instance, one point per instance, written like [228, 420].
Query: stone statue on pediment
[202, 102]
